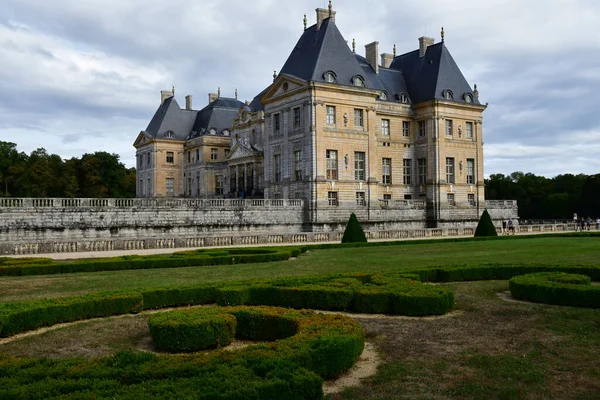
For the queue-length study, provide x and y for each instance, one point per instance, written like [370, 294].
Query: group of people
[585, 224]
[508, 228]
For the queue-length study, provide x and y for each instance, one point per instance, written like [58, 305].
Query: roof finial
[236, 93]
[476, 92]
[354, 45]
[219, 92]
[394, 49]
[274, 75]
[443, 34]
[173, 90]
[330, 9]
[305, 21]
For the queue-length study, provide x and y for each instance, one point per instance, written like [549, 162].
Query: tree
[486, 226]
[354, 232]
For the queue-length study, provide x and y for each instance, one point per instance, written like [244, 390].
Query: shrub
[485, 227]
[354, 232]
[556, 288]
[185, 331]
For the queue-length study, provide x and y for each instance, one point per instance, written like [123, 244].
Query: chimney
[212, 97]
[372, 50]
[322, 15]
[424, 43]
[386, 60]
[165, 94]
[188, 102]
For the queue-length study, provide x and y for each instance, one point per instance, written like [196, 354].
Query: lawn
[489, 348]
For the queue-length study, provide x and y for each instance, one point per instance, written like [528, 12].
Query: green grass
[584, 251]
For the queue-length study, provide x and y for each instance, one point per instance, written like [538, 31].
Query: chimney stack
[424, 43]
[164, 95]
[188, 102]
[372, 50]
[322, 15]
[386, 60]
[212, 97]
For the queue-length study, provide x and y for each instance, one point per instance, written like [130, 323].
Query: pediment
[241, 151]
[142, 139]
[283, 85]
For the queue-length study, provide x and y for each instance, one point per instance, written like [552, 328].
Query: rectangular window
[189, 186]
[469, 130]
[170, 186]
[471, 199]
[219, 185]
[450, 197]
[330, 115]
[142, 192]
[197, 155]
[298, 165]
[297, 117]
[360, 199]
[385, 127]
[408, 197]
[422, 170]
[277, 168]
[148, 187]
[332, 198]
[386, 171]
[214, 154]
[421, 128]
[332, 164]
[450, 170]
[407, 171]
[189, 153]
[387, 196]
[148, 159]
[448, 127]
[358, 117]
[470, 171]
[359, 166]
[405, 128]
[170, 157]
[276, 122]
[198, 187]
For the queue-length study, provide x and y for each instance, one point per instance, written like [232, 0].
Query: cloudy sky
[79, 76]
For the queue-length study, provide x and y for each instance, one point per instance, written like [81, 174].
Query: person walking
[511, 228]
[598, 223]
[504, 227]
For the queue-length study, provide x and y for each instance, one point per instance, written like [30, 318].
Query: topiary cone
[485, 227]
[354, 232]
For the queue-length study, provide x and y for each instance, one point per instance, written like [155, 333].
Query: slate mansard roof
[422, 78]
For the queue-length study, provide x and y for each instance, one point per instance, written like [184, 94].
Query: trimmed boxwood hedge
[185, 331]
[308, 348]
[556, 288]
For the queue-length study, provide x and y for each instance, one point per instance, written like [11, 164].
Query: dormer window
[468, 97]
[403, 98]
[358, 81]
[329, 77]
[212, 131]
[383, 96]
[170, 135]
[448, 95]
[225, 132]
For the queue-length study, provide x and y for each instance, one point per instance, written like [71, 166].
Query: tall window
[148, 159]
[297, 117]
[450, 197]
[359, 166]
[332, 164]
[450, 170]
[448, 127]
[198, 184]
[405, 128]
[148, 187]
[422, 170]
[385, 127]
[277, 168]
[214, 154]
[197, 155]
[276, 122]
[471, 199]
[358, 117]
[386, 171]
[360, 199]
[298, 165]
[407, 171]
[387, 196]
[142, 192]
[469, 130]
[170, 186]
[170, 157]
[332, 198]
[330, 115]
[421, 128]
[219, 185]
[470, 171]
[189, 186]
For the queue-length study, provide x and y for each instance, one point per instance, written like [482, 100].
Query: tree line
[539, 197]
[39, 174]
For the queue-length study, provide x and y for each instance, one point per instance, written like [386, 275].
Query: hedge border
[553, 288]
